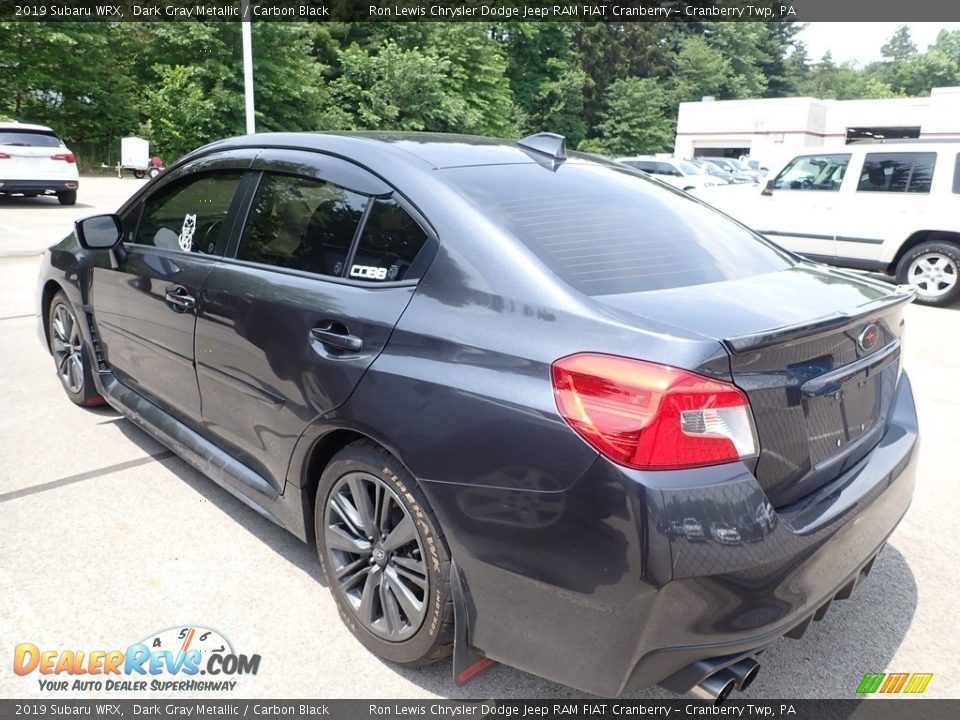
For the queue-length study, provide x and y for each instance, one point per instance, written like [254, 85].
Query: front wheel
[69, 353]
[384, 556]
[931, 268]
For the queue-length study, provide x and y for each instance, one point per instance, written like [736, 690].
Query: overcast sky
[862, 41]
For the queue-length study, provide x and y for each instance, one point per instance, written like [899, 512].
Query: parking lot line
[89, 474]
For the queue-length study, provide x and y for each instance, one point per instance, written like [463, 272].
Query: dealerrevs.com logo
[185, 659]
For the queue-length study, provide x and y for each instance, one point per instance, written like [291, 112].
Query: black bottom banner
[879, 709]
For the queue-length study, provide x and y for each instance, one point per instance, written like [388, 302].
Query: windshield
[606, 230]
[691, 168]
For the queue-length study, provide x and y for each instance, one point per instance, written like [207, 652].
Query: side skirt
[225, 470]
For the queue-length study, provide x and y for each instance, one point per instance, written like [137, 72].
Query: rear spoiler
[826, 324]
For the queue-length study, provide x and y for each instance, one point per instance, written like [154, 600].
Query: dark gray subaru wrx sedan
[532, 408]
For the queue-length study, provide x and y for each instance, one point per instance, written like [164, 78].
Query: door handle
[180, 300]
[337, 336]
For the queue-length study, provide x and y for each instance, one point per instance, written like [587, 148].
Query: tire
[932, 268]
[139, 174]
[67, 197]
[389, 622]
[70, 355]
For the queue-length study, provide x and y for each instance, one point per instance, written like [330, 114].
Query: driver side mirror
[768, 189]
[100, 232]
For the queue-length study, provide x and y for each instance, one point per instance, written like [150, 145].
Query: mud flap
[468, 661]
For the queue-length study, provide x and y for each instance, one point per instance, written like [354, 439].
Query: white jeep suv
[34, 161]
[892, 208]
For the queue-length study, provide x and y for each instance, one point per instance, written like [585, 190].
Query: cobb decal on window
[368, 272]
[189, 650]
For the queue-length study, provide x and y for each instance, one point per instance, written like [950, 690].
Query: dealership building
[771, 129]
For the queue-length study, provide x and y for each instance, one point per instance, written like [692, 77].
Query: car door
[890, 195]
[145, 300]
[799, 209]
[320, 273]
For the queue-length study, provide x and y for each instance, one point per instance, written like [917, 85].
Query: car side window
[813, 172]
[129, 222]
[956, 174]
[188, 216]
[301, 224]
[897, 172]
[389, 244]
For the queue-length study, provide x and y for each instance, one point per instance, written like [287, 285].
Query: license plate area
[845, 407]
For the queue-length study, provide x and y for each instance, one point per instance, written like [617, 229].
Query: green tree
[636, 119]
[53, 74]
[393, 89]
[701, 70]
[900, 46]
[545, 77]
[608, 52]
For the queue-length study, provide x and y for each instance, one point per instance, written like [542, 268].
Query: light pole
[245, 26]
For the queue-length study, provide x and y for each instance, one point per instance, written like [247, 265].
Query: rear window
[606, 231]
[29, 138]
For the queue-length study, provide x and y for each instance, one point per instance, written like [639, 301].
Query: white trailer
[135, 156]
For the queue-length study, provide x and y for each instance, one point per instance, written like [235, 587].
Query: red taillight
[4, 156]
[652, 417]
[66, 157]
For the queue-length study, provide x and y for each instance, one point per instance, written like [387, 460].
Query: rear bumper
[37, 186]
[631, 579]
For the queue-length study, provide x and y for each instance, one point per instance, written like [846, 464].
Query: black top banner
[477, 11]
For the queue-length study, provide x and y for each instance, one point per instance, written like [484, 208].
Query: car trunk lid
[817, 352]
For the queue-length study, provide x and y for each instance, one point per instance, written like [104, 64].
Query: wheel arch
[318, 456]
[50, 289]
[921, 236]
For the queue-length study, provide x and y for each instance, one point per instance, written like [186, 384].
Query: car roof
[25, 126]
[436, 150]
[907, 146]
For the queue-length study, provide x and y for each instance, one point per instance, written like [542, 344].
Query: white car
[892, 208]
[34, 161]
[682, 174]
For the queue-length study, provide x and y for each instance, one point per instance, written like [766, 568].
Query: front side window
[897, 172]
[189, 216]
[301, 224]
[389, 244]
[813, 172]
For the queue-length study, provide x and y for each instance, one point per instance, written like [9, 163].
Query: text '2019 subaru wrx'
[532, 408]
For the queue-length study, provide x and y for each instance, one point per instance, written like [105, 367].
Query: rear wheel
[931, 268]
[70, 354]
[384, 556]
[67, 197]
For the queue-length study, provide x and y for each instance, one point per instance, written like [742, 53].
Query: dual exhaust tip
[718, 686]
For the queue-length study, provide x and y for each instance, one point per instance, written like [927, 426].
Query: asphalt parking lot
[106, 537]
